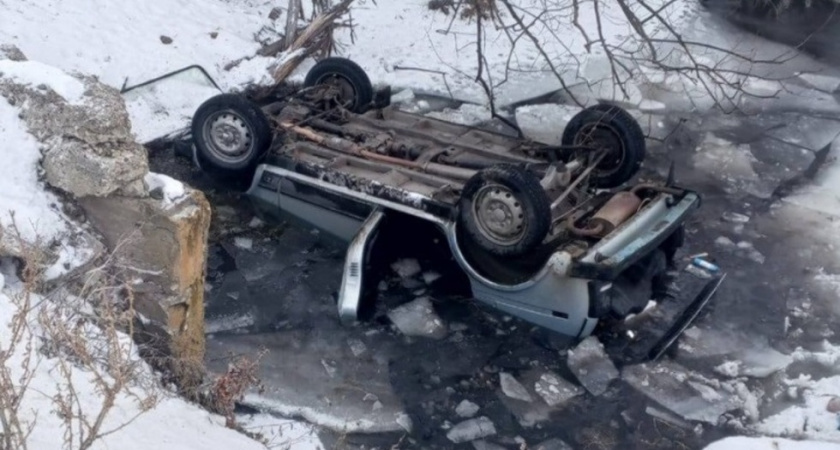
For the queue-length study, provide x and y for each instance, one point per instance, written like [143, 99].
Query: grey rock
[591, 365]
[470, 430]
[74, 168]
[673, 387]
[418, 318]
[466, 409]
[513, 388]
[555, 390]
[89, 149]
[833, 405]
[11, 52]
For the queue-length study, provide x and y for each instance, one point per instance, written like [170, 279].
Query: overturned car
[554, 235]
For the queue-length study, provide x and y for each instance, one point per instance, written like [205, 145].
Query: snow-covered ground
[745, 443]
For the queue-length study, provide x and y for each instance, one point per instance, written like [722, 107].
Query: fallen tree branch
[315, 35]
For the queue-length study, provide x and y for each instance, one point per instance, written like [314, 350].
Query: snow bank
[36, 74]
[34, 209]
[26, 205]
[749, 443]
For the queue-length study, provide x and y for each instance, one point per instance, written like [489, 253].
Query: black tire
[233, 116]
[348, 71]
[515, 192]
[613, 127]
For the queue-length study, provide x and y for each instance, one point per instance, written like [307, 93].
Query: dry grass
[79, 328]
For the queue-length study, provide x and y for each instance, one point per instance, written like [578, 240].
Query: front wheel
[230, 134]
[610, 128]
[505, 210]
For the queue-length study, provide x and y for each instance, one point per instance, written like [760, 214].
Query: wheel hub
[500, 215]
[340, 90]
[603, 137]
[230, 135]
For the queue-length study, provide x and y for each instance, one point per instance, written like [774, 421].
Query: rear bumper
[631, 242]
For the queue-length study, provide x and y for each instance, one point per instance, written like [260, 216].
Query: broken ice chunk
[484, 445]
[243, 243]
[553, 444]
[513, 388]
[734, 217]
[729, 369]
[406, 268]
[821, 82]
[470, 430]
[668, 385]
[430, 276]
[404, 421]
[418, 318]
[555, 390]
[466, 409]
[357, 347]
[591, 365]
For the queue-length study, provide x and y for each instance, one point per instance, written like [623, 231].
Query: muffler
[616, 211]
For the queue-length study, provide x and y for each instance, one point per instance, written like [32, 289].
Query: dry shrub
[230, 387]
[82, 328]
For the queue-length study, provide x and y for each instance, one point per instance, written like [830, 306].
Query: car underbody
[560, 236]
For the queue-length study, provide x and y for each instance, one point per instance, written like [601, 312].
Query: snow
[167, 106]
[37, 74]
[752, 443]
[446, 49]
[174, 423]
[811, 419]
[26, 205]
[172, 189]
[432, 53]
[23, 193]
[119, 42]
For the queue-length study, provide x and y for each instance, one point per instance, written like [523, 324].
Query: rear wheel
[504, 210]
[230, 134]
[613, 129]
[349, 85]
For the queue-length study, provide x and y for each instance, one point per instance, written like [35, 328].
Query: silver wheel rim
[229, 137]
[499, 215]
